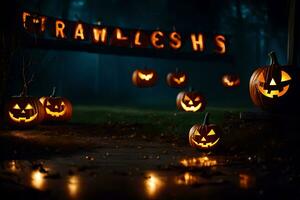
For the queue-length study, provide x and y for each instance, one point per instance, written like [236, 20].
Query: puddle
[84, 177]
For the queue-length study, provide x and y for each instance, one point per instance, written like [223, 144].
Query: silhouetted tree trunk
[293, 33]
[8, 43]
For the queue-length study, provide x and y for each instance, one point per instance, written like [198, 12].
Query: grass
[159, 121]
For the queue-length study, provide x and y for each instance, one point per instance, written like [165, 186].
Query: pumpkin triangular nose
[273, 82]
[56, 107]
[23, 112]
[190, 102]
[203, 139]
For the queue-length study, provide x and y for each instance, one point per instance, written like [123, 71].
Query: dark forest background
[255, 28]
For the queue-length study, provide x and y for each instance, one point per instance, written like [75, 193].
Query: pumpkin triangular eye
[62, 103]
[28, 107]
[17, 107]
[285, 76]
[211, 132]
[48, 103]
[186, 98]
[196, 132]
[261, 78]
[197, 99]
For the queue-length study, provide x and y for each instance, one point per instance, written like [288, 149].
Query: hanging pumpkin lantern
[144, 78]
[273, 87]
[56, 108]
[204, 136]
[24, 111]
[230, 80]
[190, 101]
[177, 79]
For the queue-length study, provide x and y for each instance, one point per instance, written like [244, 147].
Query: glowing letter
[79, 32]
[220, 43]
[100, 35]
[59, 27]
[156, 36]
[197, 43]
[175, 42]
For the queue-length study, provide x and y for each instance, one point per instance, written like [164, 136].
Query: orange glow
[59, 27]
[197, 42]
[153, 185]
[37, 180]
[187, 179]
[137, 38]
[73, 186]
[198, 162]
[24, 17]
[220, 42]
[79, 32]
[175, 42]
[119, 34]
[156, 38]
[100, 35]
[246, 181]
[43, 24]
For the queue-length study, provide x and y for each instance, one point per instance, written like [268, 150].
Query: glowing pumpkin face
[190, 101]
[204, 136]
[230, 80]
[144, 78]
[275, 87]
[24, 111]
[56, 108]
[177, 79]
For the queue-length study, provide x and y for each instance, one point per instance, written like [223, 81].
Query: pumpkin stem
[206, 119]
[273, 58]
[191, 89]
[53, 92]
[176, 70]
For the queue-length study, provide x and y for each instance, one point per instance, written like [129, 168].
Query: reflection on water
[12, 165]
[73, 185]
[246, 181]
[37, 180]
[153, 184]
[187, 179]
[199, 162]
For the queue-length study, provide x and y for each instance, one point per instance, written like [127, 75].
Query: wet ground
[77, 161]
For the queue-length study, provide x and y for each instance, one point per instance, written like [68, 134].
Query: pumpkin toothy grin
[191, 108]
[22, 119]
[273, 93]
[55, 114]
[206, 145]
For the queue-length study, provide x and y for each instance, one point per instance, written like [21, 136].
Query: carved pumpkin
[273, 87]
[177, 79]
[24, 111]
[190, 101]
[144, 78]
[56, 108]
[204, 136]
[229, 80]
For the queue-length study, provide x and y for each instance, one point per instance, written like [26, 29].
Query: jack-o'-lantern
[24, 111]
[204, 136]
[273, 87]
[230, 80]
[56, 108]
[190, 101]
[144, 77]
[177, 79]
